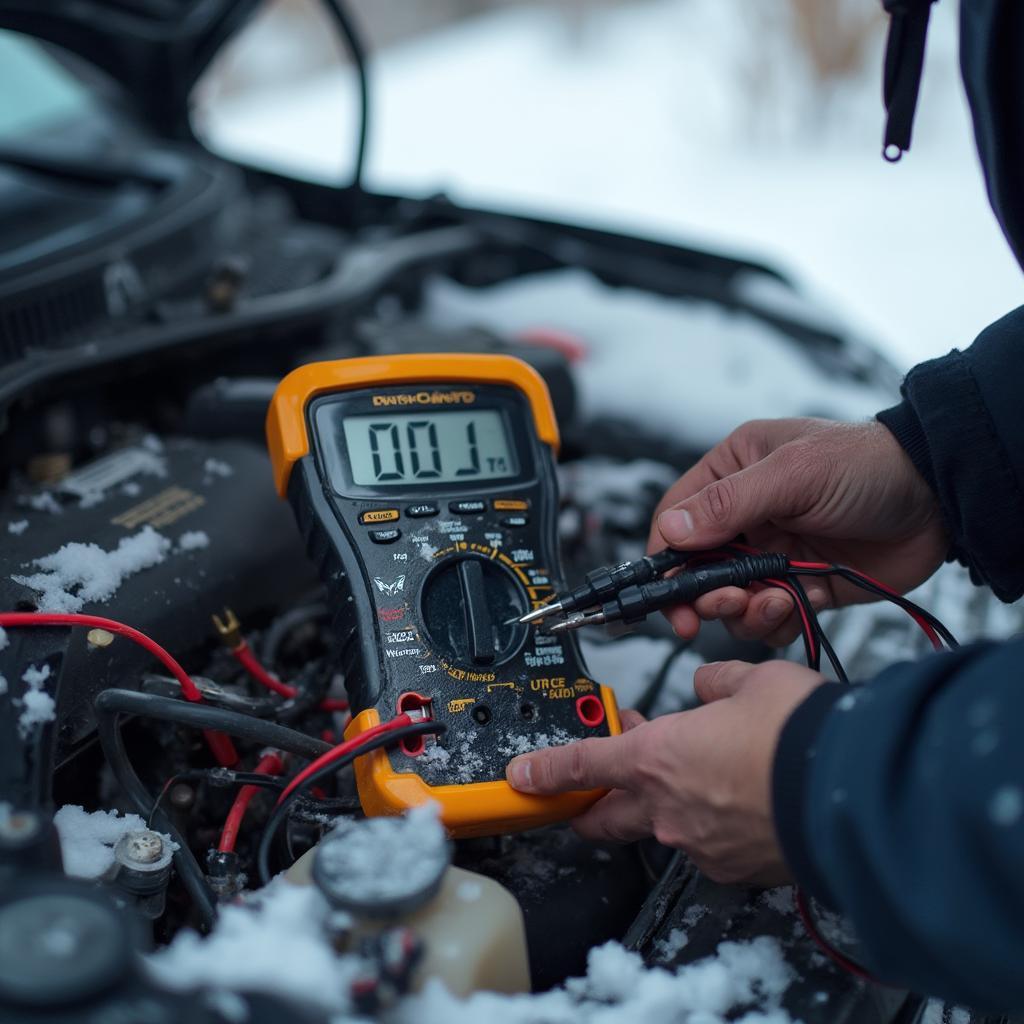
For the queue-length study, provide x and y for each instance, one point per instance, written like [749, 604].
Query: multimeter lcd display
[420, 448]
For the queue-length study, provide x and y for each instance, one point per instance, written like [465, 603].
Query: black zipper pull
[904, 62]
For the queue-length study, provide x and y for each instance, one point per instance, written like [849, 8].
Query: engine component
[142, 869]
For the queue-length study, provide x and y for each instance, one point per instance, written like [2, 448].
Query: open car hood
[155, 49]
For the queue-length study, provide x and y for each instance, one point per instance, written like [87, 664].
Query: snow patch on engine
[77, 573]
[619, 989]
[193, 540]
[275, 941]
[37, 705]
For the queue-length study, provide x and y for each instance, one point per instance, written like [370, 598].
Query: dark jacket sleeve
[961, 421]
[901, 804]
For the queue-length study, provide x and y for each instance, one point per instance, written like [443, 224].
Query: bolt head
[141, 847]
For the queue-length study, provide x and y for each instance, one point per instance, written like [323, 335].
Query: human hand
[698, 780]
[815, 490]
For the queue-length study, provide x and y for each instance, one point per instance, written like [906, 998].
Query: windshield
[38, 91]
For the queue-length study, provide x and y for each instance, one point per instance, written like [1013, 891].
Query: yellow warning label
[162, 509]
[379, 515]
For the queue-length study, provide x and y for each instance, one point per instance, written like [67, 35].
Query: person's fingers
[598, 763]
[720, 679]
[695, 479]
[769, 617]
[616, 818]
[774, 488]
[630, 719]
[684, 620]
[727, 603]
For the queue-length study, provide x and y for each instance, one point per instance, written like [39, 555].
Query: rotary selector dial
[470, 607]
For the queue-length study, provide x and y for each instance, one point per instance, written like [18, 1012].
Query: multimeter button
[421, 511]
[510, 505]
[385, 536]
[467, 508]
[379, 515]
[516, 521]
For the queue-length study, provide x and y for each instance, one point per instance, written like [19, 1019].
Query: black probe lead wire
[283, 809]
[824, 643]
[356, 47]
[854, 577]
[111, 704]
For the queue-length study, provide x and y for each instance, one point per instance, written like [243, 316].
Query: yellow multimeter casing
[425, 488]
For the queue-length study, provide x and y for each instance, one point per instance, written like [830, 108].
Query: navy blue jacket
[904, 807]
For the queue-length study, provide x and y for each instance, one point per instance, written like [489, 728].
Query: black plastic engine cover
[229, 541]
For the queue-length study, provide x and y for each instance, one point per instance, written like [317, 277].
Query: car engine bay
[144, 325]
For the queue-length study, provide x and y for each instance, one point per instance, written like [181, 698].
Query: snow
[44, 501]
[37, 705]
[762, 373]
[193, 540]
[1006, 805]
[692, 120]
[937, 1012]
[87, 840]
[694, 913]
[459, 761]
[78, 573]
[214, 468]
[245, 952]
[385, 858]
[618, 989]
[17, 527]
[275, 940]
[781, 900]
[514, 744]
[666, 949]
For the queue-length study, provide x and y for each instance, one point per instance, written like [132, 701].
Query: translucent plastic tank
[472, 931]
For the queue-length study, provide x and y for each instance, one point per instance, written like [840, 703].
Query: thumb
[597, 763]
[720, 679]
[717, 513]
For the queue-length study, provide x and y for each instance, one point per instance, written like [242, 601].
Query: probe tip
[540, 613]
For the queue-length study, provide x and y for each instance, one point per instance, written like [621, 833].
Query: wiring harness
[626, 592]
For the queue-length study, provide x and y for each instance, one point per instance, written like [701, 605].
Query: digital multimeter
[425, 488]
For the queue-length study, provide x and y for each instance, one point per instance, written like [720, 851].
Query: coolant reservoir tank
[471, 926]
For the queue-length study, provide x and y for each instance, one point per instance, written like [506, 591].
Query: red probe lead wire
[269, 764]
[221, 746]
[341, 750]
[923, 624]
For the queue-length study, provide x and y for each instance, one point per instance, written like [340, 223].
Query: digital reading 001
[442, 447]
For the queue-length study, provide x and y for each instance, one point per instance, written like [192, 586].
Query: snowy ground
[643, 117]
